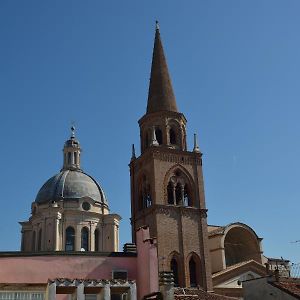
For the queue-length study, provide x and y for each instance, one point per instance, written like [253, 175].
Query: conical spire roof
[161, 96]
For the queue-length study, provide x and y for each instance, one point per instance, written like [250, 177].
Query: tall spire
[161, 96]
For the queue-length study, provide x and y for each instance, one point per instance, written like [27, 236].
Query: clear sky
[235, 71]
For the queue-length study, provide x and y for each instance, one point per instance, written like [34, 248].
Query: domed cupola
[71, 183]
[70, 212]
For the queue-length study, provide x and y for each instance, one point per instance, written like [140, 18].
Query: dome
[69, 185]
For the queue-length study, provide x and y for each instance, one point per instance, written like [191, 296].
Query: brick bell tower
[167, 191]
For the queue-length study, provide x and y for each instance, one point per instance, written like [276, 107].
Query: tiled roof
[194, 294]
[233, 267]
[290, 286]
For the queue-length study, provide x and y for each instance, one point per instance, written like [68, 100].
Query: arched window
[158, 134]
[40, 240]
[174, 269]
[193, 272]
[69, 158]
[172, 136]
[145, 199]
[85, 239]
[70, 239]
[96, 233]
[75, 158]
[170, 193]
[33, 241]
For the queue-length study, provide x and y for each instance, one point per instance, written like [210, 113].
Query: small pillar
[106, 292]
[51, 291]
[132, 293]
[80, 292]
[166, 285]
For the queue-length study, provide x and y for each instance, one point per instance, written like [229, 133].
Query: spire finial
[196, 147]
[160, 96]
[133, 153]
[156, 25]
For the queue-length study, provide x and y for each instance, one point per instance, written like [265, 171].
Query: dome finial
[73, 130]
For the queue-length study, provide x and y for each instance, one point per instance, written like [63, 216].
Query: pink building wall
[147, 263]
[38, 269]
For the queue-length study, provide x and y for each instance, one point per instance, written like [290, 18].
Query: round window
[86, 206]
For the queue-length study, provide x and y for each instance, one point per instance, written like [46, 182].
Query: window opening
[193, 274]
[145, 199]
[172, 136]
[84, 239]
[96, 233]
[70, 239]
[75, 158]
[186, 197]
[174, 269]
[40, 240]
[170, 193]
[178, 192]
[69, 158]
[158, 134]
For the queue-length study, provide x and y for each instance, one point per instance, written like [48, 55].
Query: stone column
[132, 292]
[80, 292]
[51, 291]
[106, 292]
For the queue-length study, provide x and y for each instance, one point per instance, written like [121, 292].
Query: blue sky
[235, 71]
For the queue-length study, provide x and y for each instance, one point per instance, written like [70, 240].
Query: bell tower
[167, 191]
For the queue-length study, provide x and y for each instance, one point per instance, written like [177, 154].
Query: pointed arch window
[40, 240]
[174, 269]
[70, 239]
[85, 239]
[145, 199]
[179, 190]
[96, 233]
[193, 272]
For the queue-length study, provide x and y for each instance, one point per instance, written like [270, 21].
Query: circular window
[86, 206]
